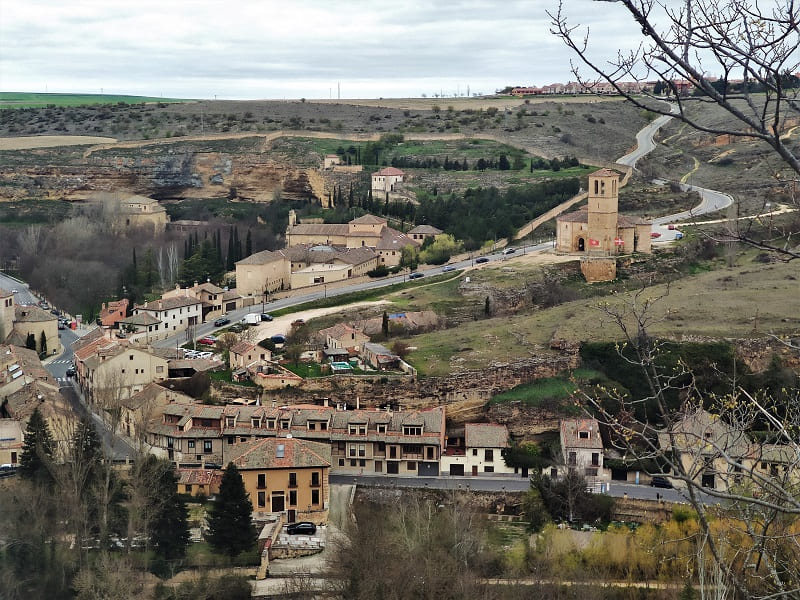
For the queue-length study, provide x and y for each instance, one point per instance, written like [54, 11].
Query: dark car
[301, 528]
[416, 275]
[660, 482]
[481, 259]
[278, 339]
[71, 372]
[221, 321]
[266, 317]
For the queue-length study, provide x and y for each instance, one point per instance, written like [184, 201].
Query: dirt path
[51, 141]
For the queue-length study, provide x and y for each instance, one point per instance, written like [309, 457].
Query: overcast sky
[249, 49]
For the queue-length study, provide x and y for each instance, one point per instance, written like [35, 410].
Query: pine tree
[37, 451]
[230, 529]
[169, 529]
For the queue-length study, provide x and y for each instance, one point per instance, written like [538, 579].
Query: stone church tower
[6, 313]
[603, 212]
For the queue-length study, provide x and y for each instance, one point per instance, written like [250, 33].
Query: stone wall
[409, 392]
[599, 269]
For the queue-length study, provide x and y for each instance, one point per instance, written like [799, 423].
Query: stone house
[420, 233]
[36, 321]
[199, 482]
[379, 357]
[175, 314]
[480, 451]
[582, 449]
[243, 354]
[286, 475]
[113, 373]
[386, 179]
[113, 312]
[11, 441]
[263, 272]
[711, 452]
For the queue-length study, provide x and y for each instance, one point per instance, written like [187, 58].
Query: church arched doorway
[581, 245]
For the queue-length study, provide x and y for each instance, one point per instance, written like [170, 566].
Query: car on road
[221, 321]
[62, 325]
[660, 482]
[508, 251]
[266, 317]
[416, 275]
[301, 528]
[481, 259]
[448, 268]
[670, 227]
[208, 340]
[71, 372]
[655, 234]
[15, 291]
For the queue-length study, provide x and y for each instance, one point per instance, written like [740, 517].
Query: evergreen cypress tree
[37, 451]
[231, 265]
[30, 341]
[43, 343]
[230, 529]
[237, 245]
[248, 244]
[385, 325]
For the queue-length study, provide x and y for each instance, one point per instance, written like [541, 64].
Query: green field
[34, 100]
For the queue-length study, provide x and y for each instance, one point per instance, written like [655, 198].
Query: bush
[379, 271]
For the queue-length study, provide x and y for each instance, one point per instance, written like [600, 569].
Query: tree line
[75, 525]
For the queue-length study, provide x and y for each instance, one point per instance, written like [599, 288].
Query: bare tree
[707, 449]
[689, 44]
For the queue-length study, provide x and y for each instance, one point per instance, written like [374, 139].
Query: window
[292, 497]
[488, 469]
[474, 452]
[284, 424]
[583, 435]
[190, 444]
[130, 357]
[341, 462]
[262, 480]
[381, 428]
[362, 430]
[314, 496]
[362, 450]
[412, 430]
[323, 426]
[159, 368]
[262, 499]
[230, 421]
[271, 423]
[352, 449]
[243, 439]
[595, 459]
[315, 478]
[488, 455]
[292, 479]
[362, 462]
[429, 452]
[412, 466]
[255, 422]
[229, 439]
[312, 426]
[187, 488]
[353, 462]
[573, 459]
[207, 446]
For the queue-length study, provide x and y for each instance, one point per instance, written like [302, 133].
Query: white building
[176, 314]
[481, 452]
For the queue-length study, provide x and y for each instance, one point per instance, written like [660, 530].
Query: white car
[205, 354]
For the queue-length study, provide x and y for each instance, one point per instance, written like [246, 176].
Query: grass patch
[542, 391]
[225, 376]
[35, 100]
[201, 554]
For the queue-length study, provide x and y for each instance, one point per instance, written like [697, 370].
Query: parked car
[481, 259]
[655, 234]
[205, 354]
[301, 528]
[416, 275]
[508, 251]
[278, 339]
[237, 327]
[266, 317]
[660, 482]
[670, 227]
[62, 325]
[71, 372]
[298, 323]
[209, 340]
[448, 268]
[221, 321]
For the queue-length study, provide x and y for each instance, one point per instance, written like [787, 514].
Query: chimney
[358, 403]
[326, 402]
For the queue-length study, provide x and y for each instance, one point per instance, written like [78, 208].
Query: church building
[598, 229]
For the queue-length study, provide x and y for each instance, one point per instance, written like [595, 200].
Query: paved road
[502, 484]
[318, 294]
[644, 141]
